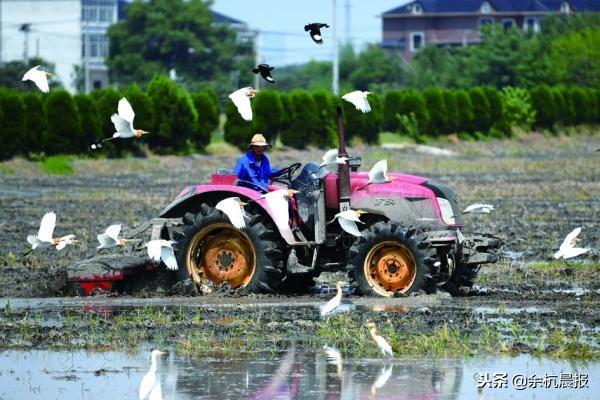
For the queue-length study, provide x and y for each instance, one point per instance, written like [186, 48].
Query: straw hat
[259, 140]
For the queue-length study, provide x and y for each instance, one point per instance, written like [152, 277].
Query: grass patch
[6, 170]
[58, 165]
[392, 137]
[222, 149]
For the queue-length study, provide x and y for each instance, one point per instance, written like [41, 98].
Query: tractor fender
[192, 197]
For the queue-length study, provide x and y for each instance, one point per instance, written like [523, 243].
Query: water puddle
[293, 374]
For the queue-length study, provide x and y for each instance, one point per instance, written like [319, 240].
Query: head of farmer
[253, 168]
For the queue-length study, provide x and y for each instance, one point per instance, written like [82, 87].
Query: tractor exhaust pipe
[343, 182]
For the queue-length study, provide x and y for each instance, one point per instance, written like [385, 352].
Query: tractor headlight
[446, 209]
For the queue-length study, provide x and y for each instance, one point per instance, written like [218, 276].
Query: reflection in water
[294, 374]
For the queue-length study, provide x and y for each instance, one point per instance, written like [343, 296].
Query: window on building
[417, 40]
[485, 21]
[97, 84]
[417, 9]
[99, 11]
[94, 46]
[565, 8]
[531, 25]
[485, 8]
[508, 23]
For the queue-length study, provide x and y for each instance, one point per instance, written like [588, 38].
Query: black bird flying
[265, 71]
[315, 31]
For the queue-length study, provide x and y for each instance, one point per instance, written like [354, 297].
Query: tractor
[410, 242]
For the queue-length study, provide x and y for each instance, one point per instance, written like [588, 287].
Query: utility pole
[336, 68]
[25, 28]
[347, 21]
[256, 58]
[86, 62]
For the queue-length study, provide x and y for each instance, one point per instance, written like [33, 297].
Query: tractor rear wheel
[211, 248]
[390, 259]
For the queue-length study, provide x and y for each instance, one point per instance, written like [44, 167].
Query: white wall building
[68, 33]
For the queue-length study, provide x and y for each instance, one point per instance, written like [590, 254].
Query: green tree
[581, 105]
[237, 131]
[376, 70]
[288, 114]
[268, 112]
[413, 103]
[517, 108]
[34, 137]
[175, 118]
[159, 35]
[576, 58]
[13, 124]
[466, 117]
[452, 123]
[64, 123]
[91, 128]
[391, 108]
[543, 104]
[304, 127]
[327, 125]
[481, 110]
[373, 120]
[107, 104]
[438, 115]
[142, 106]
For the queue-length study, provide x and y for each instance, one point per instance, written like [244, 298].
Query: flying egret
[331, 157]
[334, 302]
[334, 358]
[359, 100]
[150, 386]
[44, 237]
[567, 248]
[233, 208]
[478, 209]
[278, 203]
[161, 249]
[265, 71]
[382, 378]
[348, 219]
[314, 30]
[241, 99]
[110, 237]
[123, 122]
[384, 346]
[39, 77]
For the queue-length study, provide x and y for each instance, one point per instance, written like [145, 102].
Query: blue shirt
[248, 169]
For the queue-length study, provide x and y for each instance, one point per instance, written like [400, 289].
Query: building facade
[408, 28]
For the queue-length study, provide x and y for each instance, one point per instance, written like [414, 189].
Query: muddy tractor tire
[390, 260]
[462, 279]
[209, 247]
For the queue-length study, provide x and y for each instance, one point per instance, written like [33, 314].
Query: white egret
[123, 122]
[44, 237]
[314, 30]
[378, 173]
[567, 248]
[278, 203]
[39, 77]
[265, 71]
[162, 250]
[334, 302]
[359, 100]
[334, 358]
[348, 219]
[110, 237]
[382, 378]
[241, 99]
[149, 386]
[331, 158]
[233, 208]
[478, 209]
[384, 346]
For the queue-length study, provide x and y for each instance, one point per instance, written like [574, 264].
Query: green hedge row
[34, 123]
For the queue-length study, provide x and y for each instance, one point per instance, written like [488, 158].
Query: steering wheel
[286, 174]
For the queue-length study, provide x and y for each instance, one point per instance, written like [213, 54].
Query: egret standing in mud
[334, 302]
[149, 386]
[384, 346]
[567, 248]
[382, 378]
[334, 358]
[44, 237]
[162, 250]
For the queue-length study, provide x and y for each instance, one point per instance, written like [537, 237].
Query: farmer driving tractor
[253, 168]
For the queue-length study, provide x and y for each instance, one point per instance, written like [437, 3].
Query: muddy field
[542, 187]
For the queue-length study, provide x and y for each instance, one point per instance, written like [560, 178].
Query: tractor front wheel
[211, 248]
[390, 259]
